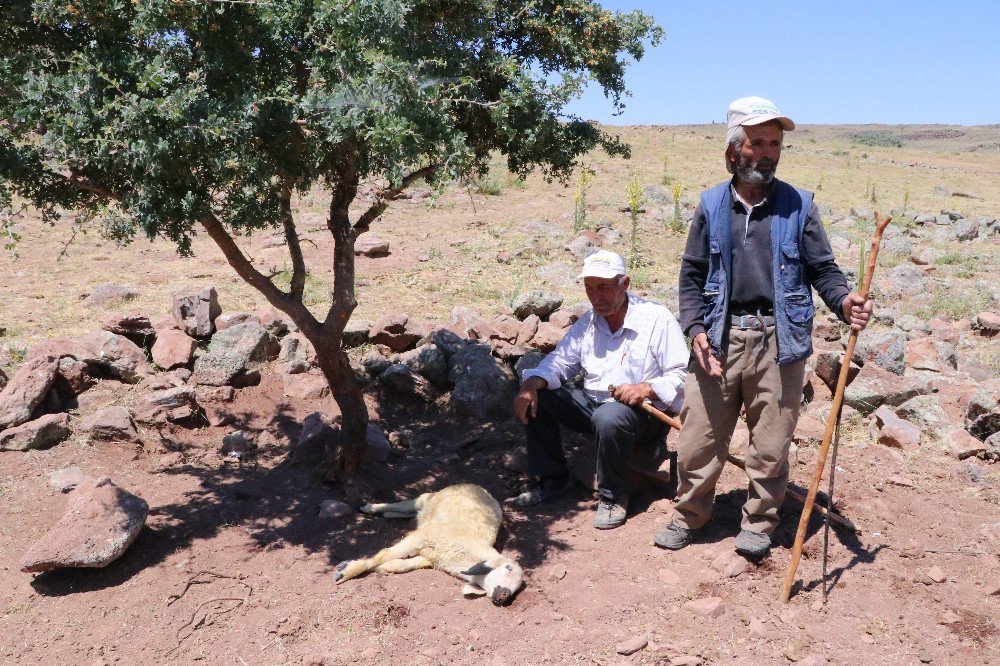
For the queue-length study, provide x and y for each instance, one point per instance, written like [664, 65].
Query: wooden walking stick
[831, 423]
[675, 423]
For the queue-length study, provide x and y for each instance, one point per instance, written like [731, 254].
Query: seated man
[624, 341]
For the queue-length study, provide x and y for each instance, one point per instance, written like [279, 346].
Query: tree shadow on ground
[277, 502]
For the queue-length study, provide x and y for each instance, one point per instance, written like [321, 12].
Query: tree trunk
[344, 461]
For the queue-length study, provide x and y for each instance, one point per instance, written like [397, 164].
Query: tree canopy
[166, 117]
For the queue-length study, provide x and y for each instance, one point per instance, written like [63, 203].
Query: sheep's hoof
[339, 576]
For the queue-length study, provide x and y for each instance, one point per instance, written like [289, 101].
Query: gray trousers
[617, 428]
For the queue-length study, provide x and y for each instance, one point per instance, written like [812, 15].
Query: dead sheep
[456, 530]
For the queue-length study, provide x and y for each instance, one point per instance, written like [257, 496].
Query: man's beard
[759, 173]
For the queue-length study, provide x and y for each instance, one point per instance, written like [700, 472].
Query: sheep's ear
[472, 591]
[478, 569]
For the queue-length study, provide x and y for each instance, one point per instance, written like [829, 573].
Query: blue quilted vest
[793, 305]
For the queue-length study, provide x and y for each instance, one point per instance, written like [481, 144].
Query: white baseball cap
[756, 111]
[602, 264]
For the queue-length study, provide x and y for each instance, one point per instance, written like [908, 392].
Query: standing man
[755, 248]
[624, 341]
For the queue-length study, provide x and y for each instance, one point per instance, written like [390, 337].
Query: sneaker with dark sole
[672, 537]
[610, 514]
[753, 544]
[547, 490]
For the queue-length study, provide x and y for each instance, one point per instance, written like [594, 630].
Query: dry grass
[464, 230]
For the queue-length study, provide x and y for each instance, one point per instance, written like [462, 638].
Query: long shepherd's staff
[834, 418]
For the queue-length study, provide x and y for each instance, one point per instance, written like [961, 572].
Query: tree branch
[76, 180]
[383, 198]
[253, 277]
[298, 282]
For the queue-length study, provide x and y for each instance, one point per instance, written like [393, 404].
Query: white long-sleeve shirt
[649, 347]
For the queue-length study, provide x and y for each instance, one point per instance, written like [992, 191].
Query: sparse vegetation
[878, 138]
[676, 224]
[585, 178]
[957, 301]
[635, 198]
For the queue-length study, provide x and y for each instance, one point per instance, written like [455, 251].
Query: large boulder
[896, 432]
[177, 404]
[112, 424]
[428, 361]
[173, 348]
[296, 353]
[310, 385]
[484, 385]
[547, 337]
[886, 349]
[464, 320]
[136, 327]
[931, 354]
[356, 332]
[116, 354]
[926, 412]
[233, 352]
[537, 302]
[397, 332]
[406, 386]
[26, 391]
[195, 311]
[828, 367]
[73, 378]
[38, 434]
[317, 434]
[987, 324]
[108, 293]
[100, 523]
[875, 386]
[983, 416]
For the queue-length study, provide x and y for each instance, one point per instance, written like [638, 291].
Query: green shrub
[879, 139]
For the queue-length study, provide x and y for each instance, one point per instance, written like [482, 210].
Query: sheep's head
[501, 577]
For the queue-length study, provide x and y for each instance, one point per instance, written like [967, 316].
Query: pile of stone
[907, 381]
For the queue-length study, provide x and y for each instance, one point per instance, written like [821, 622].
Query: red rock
[987, 324]
[547, 337]
[557, 572]
[371, 247]
[711, 607]
[963, 445]
[631, 645]
[395, 332]
[507, 327]
[74, 377]
[306, 386]
[529, 326]
[100, 523]
[26, 390]
[111, 424]
[173, 348]
[195, 312]
[38, 434]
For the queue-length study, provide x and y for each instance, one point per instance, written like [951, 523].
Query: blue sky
[880, 61]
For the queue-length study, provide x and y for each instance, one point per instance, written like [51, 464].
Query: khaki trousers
[771, 395]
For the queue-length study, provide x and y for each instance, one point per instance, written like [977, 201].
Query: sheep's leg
[404, 509]
[348, 569]
[404, 565]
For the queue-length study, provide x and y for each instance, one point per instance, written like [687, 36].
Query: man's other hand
[633, 394]
[857, 311]
[706, 359]
[526, 400]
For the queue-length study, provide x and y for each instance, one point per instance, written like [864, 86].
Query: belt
[751, 321]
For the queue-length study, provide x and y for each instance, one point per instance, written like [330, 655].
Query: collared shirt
[649, 347]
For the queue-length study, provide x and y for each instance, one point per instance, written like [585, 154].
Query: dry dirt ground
[235, 566]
